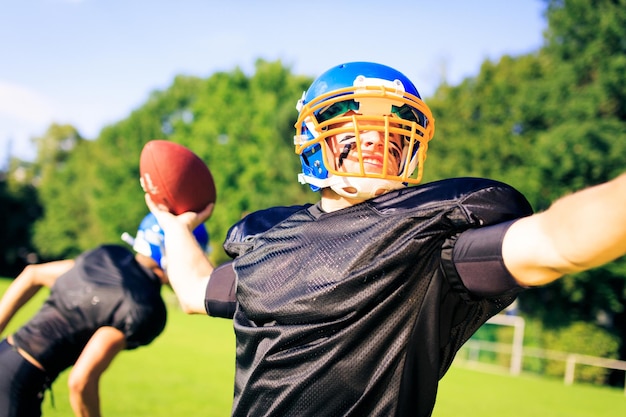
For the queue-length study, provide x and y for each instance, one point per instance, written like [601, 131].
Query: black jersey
[351, 313]
[106, 287]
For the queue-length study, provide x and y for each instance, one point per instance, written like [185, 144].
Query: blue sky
[91, 62]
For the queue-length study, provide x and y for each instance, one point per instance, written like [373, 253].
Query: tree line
[547, 123]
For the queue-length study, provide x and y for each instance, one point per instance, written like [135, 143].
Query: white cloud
[24, 105]
[23, 114]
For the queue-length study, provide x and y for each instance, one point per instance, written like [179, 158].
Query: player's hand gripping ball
[175, 177]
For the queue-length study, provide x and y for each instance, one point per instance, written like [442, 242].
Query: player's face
[346, 154]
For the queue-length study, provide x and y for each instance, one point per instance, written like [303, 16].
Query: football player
[358, 304]
[106, 300]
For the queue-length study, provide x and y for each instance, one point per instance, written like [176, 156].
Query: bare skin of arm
[580, 231]
[84, 378]
[188, 268]
[27, 284]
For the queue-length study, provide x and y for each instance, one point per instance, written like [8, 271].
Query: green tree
[90, 189]
[118, 202]
[485, 126]
[243, 129]
[583, 97]
[586, 339]
[548, 123]
[65, 209]
[19, 208]
[241, 126]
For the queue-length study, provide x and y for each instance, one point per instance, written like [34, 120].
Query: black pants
[22, 384]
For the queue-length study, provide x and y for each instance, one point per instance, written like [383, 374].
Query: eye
[346, 138]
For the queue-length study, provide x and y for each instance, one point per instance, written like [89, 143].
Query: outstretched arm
[188, 268]
[27, 284]
[84, 378]
[580, 231]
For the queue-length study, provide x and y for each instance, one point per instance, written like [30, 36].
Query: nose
[371, 139]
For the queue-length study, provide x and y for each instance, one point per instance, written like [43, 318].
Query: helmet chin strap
[353, 187]
[363, 188]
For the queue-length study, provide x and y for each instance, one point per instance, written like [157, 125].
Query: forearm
[21, 290]
[588, 228]
[84, 378]
[85, 401]
[580, 231]
[188, 268]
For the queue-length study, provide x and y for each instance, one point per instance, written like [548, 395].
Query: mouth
[369, 163]
[375, 161]
[374, 164]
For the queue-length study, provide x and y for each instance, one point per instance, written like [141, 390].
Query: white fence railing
[474, 347]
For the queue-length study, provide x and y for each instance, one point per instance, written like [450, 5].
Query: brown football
[175, 177]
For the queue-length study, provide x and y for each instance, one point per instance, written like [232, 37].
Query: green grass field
[189, 370]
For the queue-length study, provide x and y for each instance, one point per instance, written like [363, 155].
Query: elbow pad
[220, 297]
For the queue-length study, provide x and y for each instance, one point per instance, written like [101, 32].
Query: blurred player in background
[106, 300]
[357, 305]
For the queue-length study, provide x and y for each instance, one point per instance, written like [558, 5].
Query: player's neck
[331, 201]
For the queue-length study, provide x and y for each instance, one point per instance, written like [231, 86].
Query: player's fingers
[193, 219]
[152, 206]
[162, 214]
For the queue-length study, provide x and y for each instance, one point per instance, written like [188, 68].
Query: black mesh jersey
[349, 313]
[106, 287]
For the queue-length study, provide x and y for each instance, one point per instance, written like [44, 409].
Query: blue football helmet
[373, 97]
[149, 240]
